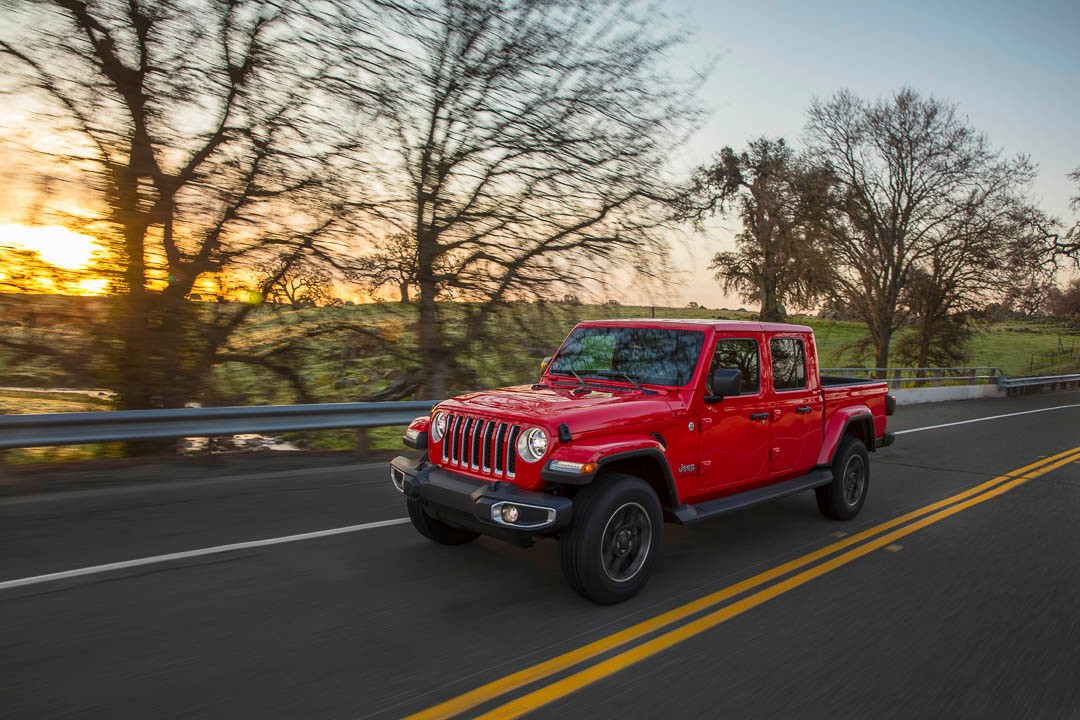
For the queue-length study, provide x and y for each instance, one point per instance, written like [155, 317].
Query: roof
[699, 324]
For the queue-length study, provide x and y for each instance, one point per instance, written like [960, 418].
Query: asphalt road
[968, 609]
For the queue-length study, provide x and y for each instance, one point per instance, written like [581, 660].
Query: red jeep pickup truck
[639, 421]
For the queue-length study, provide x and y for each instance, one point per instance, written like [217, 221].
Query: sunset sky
[1012, 68]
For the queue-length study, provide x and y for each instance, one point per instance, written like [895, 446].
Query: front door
[734, 448]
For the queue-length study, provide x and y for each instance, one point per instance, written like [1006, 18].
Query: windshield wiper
[577, 377]
[632, 379]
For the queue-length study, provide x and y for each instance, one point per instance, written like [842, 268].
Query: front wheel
[610, 550]
[843, 498]
[437, 530]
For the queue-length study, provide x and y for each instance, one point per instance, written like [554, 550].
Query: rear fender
[858, 416]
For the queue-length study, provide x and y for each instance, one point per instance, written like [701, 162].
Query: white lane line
[984, 419]
[153, 559]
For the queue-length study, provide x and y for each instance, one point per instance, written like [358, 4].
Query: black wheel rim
[854, 481]
[626, 543]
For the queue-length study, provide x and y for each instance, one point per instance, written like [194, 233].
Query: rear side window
[788, 363]
[741, 355]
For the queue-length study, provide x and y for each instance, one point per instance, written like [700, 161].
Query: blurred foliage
[358, 352]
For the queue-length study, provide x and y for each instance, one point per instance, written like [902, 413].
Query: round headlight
[532, 444]
[438, 426]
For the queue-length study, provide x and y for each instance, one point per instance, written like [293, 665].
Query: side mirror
[544, 364]
[724, 382]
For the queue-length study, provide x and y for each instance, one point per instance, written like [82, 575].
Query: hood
[597, 410]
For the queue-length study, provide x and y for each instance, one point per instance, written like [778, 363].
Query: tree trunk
[432, 353]
[403, 288]
[134, 373]
[881, 347]
[770, 306]
[174, 382]
[770, 303]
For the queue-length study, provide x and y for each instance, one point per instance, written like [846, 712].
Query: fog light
[509, 514]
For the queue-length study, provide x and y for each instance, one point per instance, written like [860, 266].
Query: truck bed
[841, 392]
[838, 380]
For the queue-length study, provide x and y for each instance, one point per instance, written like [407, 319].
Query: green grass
[1027, 348]
[20, 403]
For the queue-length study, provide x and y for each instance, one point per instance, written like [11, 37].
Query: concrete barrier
[916, 396]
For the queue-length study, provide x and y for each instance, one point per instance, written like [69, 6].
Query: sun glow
[93, 286]
[56, 245]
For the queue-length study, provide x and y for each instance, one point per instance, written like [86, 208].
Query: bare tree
[1064, 302]
[1069, 244]
[1028, 293]
[523, 146]
[204, 130]
[299, 283]
[782, 202]
[392, 262]
[921, 190]
[1064, 241]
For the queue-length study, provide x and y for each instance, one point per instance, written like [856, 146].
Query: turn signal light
[573, 467]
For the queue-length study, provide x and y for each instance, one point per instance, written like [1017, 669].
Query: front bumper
[476, 504]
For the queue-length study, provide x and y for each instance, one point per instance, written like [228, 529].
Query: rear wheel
[437, 530]
[843, 498]
[610, 550]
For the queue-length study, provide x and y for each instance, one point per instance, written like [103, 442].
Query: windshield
[644, 355]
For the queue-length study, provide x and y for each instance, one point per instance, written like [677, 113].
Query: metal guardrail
[1052, 380]
[47, 429]
[923, 376]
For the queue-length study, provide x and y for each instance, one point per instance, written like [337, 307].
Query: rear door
[795, 408]
[734, 435]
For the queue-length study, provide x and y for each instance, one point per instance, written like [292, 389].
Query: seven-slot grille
[483, 446]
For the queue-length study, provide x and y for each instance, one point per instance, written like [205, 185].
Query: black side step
[684, 514]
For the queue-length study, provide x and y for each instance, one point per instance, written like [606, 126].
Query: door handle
[803, 410]
[759, 416]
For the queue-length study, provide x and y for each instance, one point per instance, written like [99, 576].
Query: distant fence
[53, 429]
[1066, 353]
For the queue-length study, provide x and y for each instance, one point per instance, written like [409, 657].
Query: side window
[788, 363]
[742, 355]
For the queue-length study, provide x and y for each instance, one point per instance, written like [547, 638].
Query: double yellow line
[867, 541]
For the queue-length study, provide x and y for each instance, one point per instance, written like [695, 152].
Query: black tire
[614, 542]
[843, 498]
[437, 530]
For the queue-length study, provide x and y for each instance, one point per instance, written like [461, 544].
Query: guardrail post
[971, 376]
[362, 443]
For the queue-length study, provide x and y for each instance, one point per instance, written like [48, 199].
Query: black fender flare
[653, 454]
